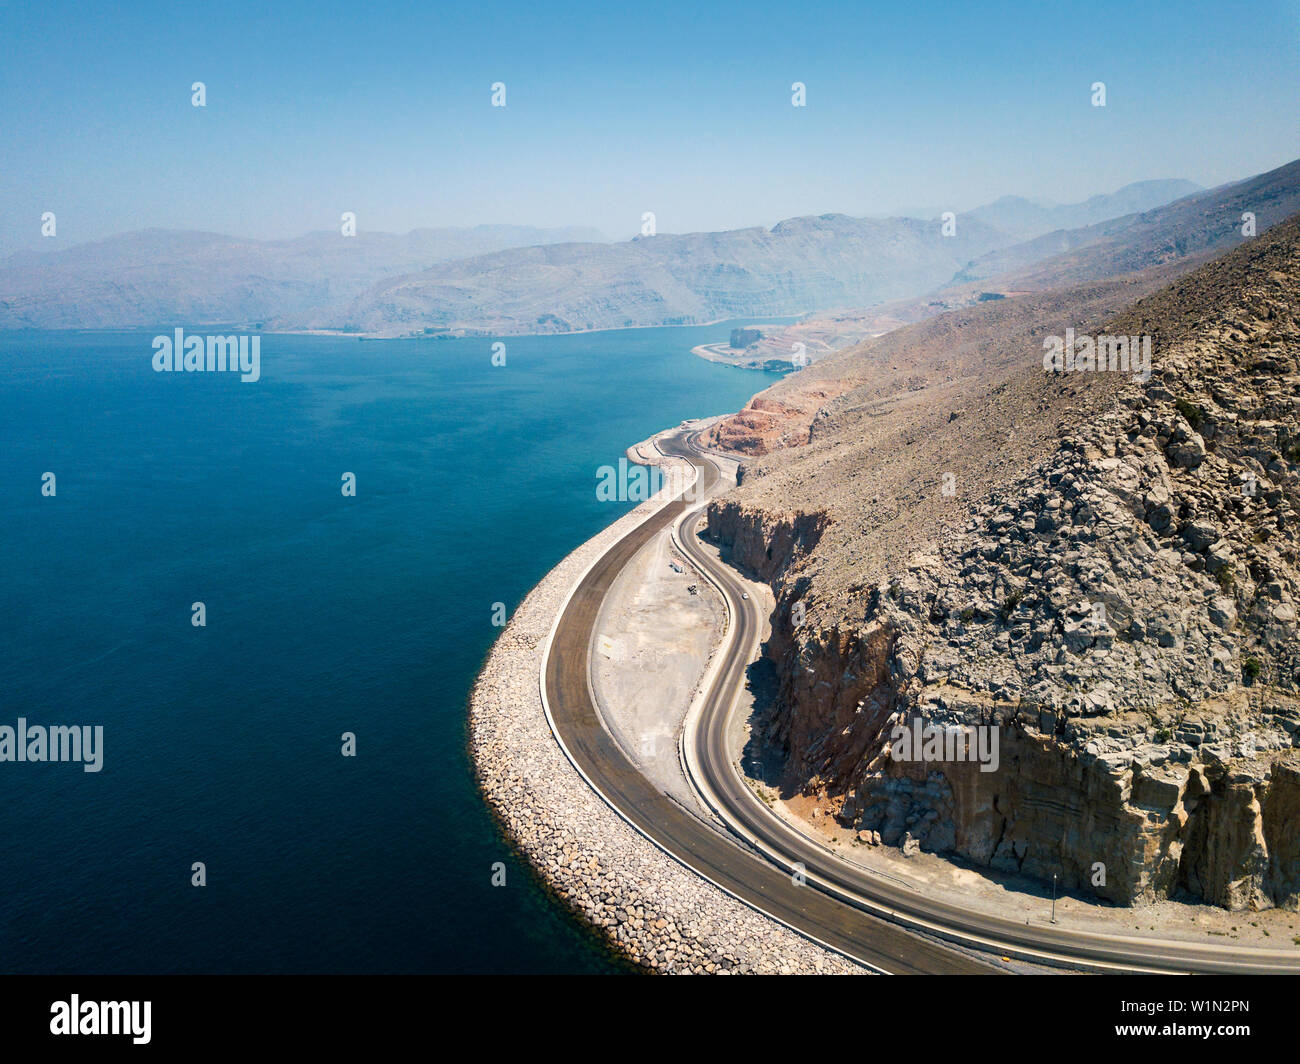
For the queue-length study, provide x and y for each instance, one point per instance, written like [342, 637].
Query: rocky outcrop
[1122, 614]
[766, 424]
[745, 337]
[762, 542]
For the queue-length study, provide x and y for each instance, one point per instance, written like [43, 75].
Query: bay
[324, 614]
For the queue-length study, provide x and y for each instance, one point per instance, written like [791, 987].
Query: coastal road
[716, 776]
[738, 870]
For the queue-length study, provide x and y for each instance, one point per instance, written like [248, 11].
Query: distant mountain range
[511, 280]
[156, 276]
[1202, 225]
[1025, 218]
[799, 265]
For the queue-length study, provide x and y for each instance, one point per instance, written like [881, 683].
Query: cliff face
[1118, 804]
[767, 424]
[1120, 612]
[766, 543]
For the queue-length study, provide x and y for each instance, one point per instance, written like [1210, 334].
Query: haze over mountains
[155, 276]
[1026, 218]
[510, 280]
[799, 265]
[1101, 268]
[1203, 223]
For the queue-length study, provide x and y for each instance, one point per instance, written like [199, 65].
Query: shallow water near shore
[325, 614]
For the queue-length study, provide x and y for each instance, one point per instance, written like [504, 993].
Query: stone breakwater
[649, 907]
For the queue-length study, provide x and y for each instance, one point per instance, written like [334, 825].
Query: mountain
[155, 276]
[503, 279]
[1026, 219]
[1103, 568]
[797, 265]
[1202, 224]
[1180, 235]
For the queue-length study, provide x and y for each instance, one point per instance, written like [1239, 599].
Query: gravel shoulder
[658, 913]
[654, 637]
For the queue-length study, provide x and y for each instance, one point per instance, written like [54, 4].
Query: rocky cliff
[1115, 597]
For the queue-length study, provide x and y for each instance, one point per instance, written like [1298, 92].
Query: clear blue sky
[682, 108]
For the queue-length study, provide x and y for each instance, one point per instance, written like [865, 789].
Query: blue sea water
[325, 614]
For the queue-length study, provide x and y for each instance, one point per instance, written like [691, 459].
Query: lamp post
[1053, 897]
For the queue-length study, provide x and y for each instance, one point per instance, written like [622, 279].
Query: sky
[613, 110]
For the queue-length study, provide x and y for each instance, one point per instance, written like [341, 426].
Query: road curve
[756, 881]
[717, 778]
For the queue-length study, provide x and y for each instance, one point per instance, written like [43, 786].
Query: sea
[225, 830]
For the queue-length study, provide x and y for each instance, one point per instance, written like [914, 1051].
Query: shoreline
[795, 319]
[644, 904]
[493, 335]
[373, 336]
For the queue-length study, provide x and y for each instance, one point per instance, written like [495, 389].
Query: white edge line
[878, 909]
[550, 720]
[689, 759]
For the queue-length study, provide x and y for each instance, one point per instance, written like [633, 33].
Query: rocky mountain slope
[156, 276]
[1103, 569]
[1145, 250]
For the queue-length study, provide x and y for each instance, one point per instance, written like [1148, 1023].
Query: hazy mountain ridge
[1026, 218]
[1206, 222]
[152, 276]
[1180, 236]
[799, 265]
[502, 279]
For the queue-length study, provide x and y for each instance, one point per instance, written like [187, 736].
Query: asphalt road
[840, 904]
[754, 821]
[724, 861]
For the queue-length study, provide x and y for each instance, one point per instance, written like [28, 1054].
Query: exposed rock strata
[1120, 604]
[766, 424]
